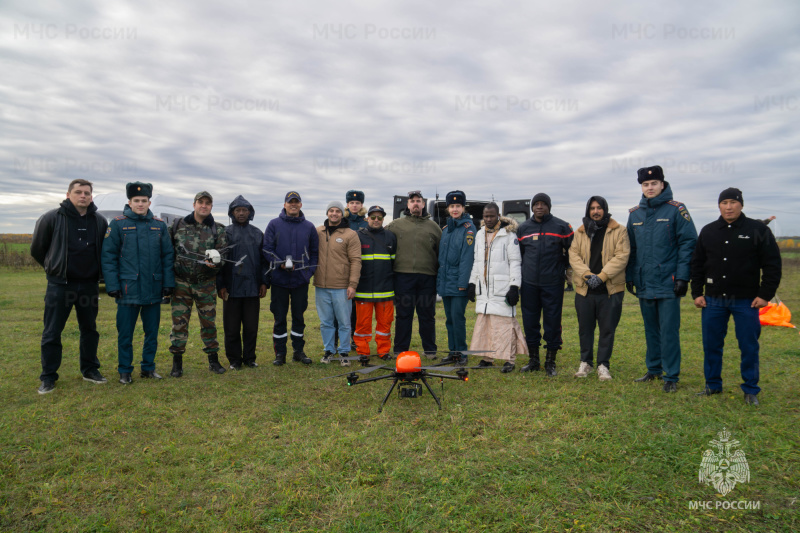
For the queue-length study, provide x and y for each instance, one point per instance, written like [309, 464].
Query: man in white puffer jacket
[494, 287]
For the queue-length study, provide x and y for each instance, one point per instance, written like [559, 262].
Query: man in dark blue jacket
[456, 254]
[544, 242]
[137, 268]
[290, 236]
[242, 286]
[67, 242]
[738, 263]
[662, 237]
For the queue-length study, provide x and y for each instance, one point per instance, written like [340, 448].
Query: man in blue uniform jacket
[662, 237]
[137, 266]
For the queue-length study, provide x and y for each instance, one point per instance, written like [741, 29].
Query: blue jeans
[715, 327]
[662, 331]
[333, 303]
[126, 323]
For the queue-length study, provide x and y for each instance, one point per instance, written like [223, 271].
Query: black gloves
[167, 291]
[471, 292]
[512, 296]
[593, 281]
[115, 294]
[629, 286]
[681, 287]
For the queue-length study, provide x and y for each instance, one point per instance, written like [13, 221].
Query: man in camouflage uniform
[195, 281]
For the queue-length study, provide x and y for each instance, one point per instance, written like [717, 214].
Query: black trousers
[282, 300]
[545, 303]
[415, 292]
[604, 311]
[240, 323]
[58, 303]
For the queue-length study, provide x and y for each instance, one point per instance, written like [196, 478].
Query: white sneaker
[603, 373]
[344, 362]
[584, 370]
[326, 358]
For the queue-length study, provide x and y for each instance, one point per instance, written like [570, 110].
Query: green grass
[18, 247]
[272, 449]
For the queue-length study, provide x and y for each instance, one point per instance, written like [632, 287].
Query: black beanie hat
[456, 197]
[541, 197]
[650, 173]
[731, 193]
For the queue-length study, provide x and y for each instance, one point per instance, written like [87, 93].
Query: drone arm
[446, 376]
[376, 378]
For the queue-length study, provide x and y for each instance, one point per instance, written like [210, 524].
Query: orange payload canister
[408, 362]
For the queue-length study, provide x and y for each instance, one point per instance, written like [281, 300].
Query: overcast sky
[499, 99]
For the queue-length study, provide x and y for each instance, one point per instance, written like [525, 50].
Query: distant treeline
[16, 238]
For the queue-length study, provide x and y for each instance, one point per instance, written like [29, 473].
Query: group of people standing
[364, 272]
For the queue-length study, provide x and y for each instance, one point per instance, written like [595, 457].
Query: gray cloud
[499, 99]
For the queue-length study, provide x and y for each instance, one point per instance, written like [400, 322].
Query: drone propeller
[366, 370]
[450, 368]
[384, 356]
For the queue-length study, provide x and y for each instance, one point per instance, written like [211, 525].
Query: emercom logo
[724, 467]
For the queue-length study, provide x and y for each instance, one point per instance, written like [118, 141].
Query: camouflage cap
[203, 194]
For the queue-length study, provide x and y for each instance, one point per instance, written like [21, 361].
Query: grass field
[273, 449]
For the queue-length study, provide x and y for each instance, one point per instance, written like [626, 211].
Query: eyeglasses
[414, 193]
[375, 217]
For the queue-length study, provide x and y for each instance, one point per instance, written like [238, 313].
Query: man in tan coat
[598, 256]
[336, 279]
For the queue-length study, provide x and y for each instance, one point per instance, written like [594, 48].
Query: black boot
[213, 364]
[550, 363]
[280, 359]
[533, 362]
[177, 366]
[301, 357]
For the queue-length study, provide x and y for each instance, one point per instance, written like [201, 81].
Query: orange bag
[775, 314]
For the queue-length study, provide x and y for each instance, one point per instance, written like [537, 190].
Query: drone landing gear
[413, 390]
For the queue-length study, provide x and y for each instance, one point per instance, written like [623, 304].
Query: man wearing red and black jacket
[738, 264]
[544, 243]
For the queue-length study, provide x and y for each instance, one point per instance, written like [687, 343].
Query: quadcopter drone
[212, 256]
[288, 262]
[408, 372]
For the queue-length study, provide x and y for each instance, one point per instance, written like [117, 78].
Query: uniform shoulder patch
[470, 238]
[467, 224]
[632, 209]
[108, 232]
[681, 209]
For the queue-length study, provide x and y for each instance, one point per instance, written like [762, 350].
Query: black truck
[519, 210]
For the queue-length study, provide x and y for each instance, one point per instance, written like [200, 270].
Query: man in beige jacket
[598, 256]
[336, 279]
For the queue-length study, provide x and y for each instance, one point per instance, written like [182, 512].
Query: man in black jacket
[242, 287]
[738, 263]
[544, 243]
[67, 242]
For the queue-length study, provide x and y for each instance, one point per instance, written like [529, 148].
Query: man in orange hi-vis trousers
[376, 285]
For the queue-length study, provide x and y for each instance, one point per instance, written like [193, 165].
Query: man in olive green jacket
[415, 267]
